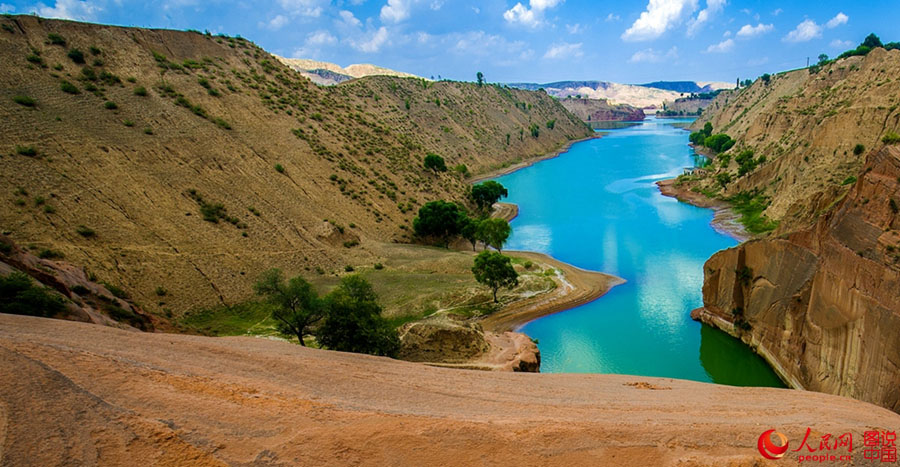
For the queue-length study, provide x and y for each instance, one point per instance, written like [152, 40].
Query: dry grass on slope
[808, 125]
[286, 173]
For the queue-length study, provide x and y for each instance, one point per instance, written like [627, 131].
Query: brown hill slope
[807, 125]
[600, 110]
[197, 122]
[88, 394]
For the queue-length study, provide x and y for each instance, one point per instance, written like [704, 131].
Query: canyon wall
[822, 304]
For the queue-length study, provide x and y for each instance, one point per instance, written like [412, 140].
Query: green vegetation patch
[19, 295]
[249, 318]
[750, 206]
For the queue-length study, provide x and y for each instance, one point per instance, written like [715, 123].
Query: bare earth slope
[88, 394]
[138, 171]
[807, 125]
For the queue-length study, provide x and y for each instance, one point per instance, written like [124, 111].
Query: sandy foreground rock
[76, 393]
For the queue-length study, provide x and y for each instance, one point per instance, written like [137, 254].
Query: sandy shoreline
[725, 220]
[529, 162]
[575, 287]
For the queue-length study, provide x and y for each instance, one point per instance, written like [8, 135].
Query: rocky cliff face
[822, 304]
[600, 110]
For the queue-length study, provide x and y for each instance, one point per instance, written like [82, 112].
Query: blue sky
[529, 40]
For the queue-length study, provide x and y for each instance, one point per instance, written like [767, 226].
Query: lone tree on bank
[480, 77]
[494, 232]
[495, 271]
[296, 304]
[486, 194]
[435, 163]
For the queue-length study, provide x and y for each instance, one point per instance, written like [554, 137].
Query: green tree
[435, 162]
[823, 58]
[495, 271]
[296, 305]
[439, 219]
[480, 77]
[486, 194]
[872, 41]
[469, 231]
[494, 232]
[20, 296]
[353, 321]
[766, 78]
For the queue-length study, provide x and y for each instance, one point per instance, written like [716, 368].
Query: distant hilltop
[645, 96]
[326, 73]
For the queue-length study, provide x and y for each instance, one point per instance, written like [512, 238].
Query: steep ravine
[823, 303]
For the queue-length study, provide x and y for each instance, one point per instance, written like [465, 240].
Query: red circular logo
[768, 448]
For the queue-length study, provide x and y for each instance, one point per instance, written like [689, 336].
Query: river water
[596, 207]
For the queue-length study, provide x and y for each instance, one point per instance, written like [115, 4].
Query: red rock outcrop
[822, 305]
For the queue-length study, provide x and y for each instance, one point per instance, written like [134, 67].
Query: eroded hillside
[198, 161]
[808, 126]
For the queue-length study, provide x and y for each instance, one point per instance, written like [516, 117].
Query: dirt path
[83, 394]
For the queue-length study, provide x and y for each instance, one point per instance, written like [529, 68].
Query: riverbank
[725, 220]
[574, 287]
[521, 165]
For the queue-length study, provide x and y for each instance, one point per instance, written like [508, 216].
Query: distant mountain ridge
[646, 96]
[326, 73]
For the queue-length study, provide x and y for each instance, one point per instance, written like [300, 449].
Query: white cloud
[532, 15]
[276, 23]
[611, 17]
[726, 34]
[838, 20]
[564, 50]
[480, 45]
[310, 8]
[658, 18]
[652, 56]
[805, 31]
[753, 31]
[574, 28]
[321, 37]
[721, 47]
[69, 9]
[839, 44]
[436, 4]
[348, 20]
[712, 7]
[777, 12]
[372, 42]
[395, 11]
[4, 8]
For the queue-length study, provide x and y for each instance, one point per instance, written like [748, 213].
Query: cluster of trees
[347, 319]
[747, 163]
[868, 44]
[441, 221]
[717, 143]
[435, 162]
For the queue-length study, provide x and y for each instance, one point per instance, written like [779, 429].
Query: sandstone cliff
[822, 304]
[600, 110]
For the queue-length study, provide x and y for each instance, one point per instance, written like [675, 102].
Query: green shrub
[128, 123]
[859, 149]
[5, 248]
[36, 59]
[279, 168]
[85, 231]
[68, 87]
[116, 291]
[94, 50]
[222, 123]
[20, 296]
[56, 39]
[76, 56]
[891, 138]
[893, 205]
[435, 162]
[140, 91]
[161, 292]
[348, 268]
[80, 290]
[110, 105]
[378, 266]
[849, 180]
[49, 209]
[25, 100]
[350, 244]
[29, 151]
[148, 131]
[8, 28]
[47, 253]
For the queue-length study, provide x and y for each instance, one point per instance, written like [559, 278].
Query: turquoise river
[597, 207]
